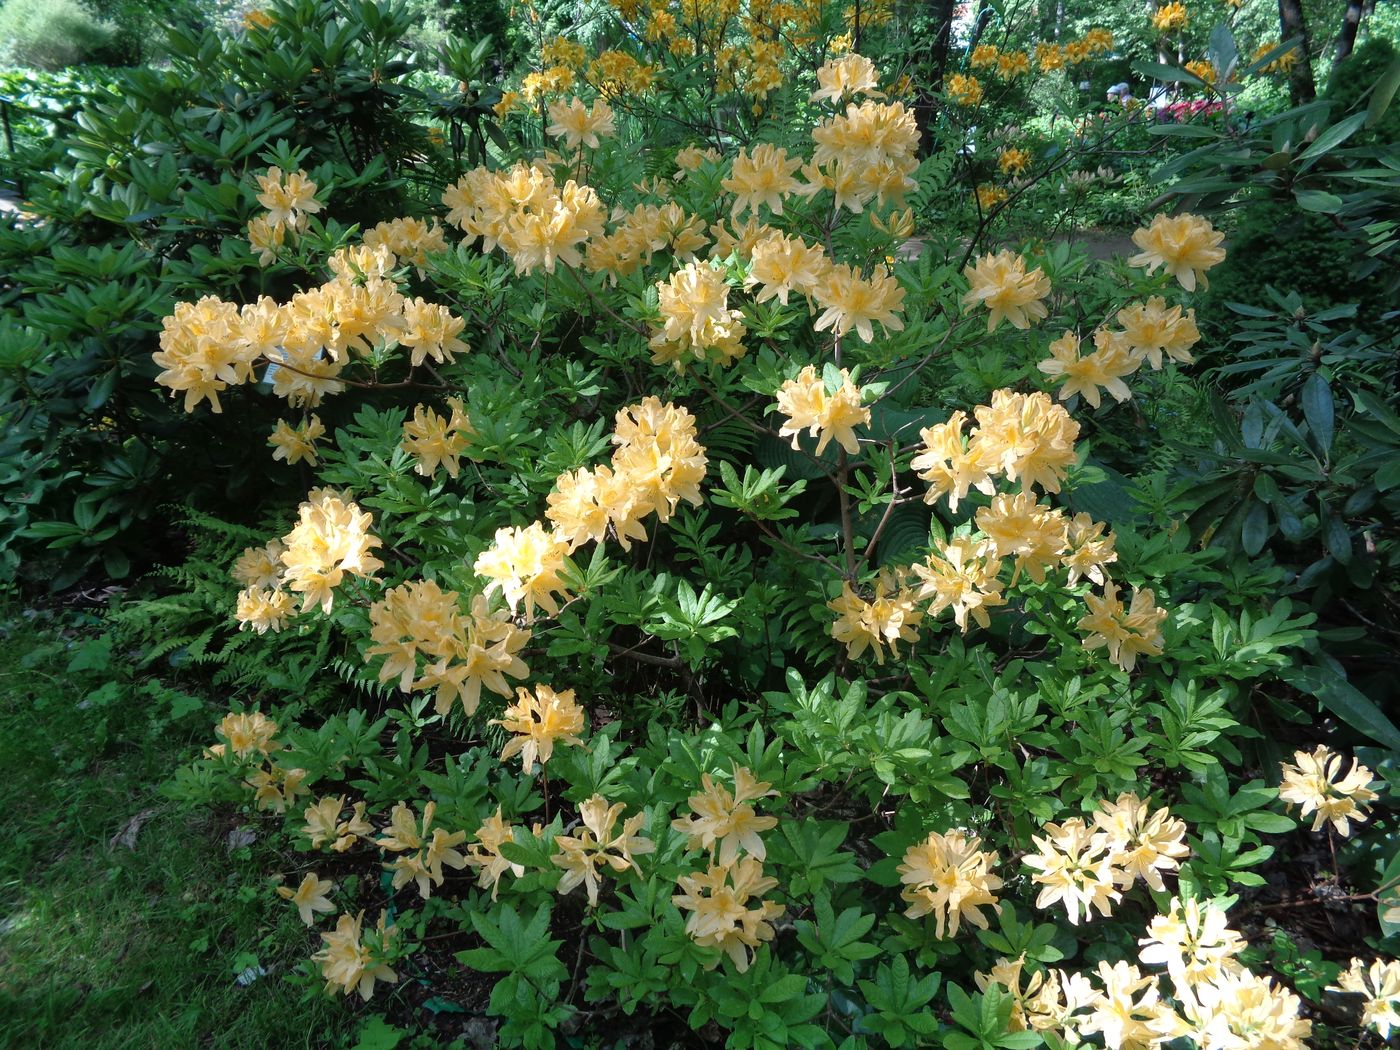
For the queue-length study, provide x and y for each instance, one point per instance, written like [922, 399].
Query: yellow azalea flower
[1316, 783]
[962, 575]
[726, 822]
[309, 897]
[870, 152]
[1074, 867]
[259, 566]
[323, 824]
[1127, 634]
[597, 845]
[296, 444]
[289, 199]
[888, 618]
[1017, 525]
[1170, 17]
[1380, 984]
[1089, 550]
[1237, 1009]
[851, 302]
[430, 330]
[276, 788]
[989, 196]
[580, 126]
[763, 177]
[950, 469]
[984, 56]
[964, 90]
[331, 539]
[1152, 329]
[690, 158]
[1042, 1005]
[1013, 161]
[349, 965]
[1049, 57]
[809, 407]
[1194, 942]
[948, 877]
[1099, 39]
[1105, 368]
[1027, 437]
[848, 75]
[782, 264]
[1125, 1011]
[485, 853]
[694, 303]
[1001, 283]
[422, 856]
[658, 457]
[408, 238]
[525, 565]
[248, 733]
[266, 239]
[1185, 245]
[204, 349]
[431, 439]
[509, 103]
[1283, 64]
[1143, 846]
[264, 610]
[718, 900]
[1013, 64]
[540, 720]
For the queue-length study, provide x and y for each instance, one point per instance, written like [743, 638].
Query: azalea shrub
[752, 614]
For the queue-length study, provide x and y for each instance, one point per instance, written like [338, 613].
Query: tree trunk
[1292, 26]
[925, 103]
[1351, 22]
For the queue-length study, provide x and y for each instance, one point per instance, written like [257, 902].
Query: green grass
[115, 947]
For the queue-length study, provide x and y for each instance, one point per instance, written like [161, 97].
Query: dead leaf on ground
[127, 836]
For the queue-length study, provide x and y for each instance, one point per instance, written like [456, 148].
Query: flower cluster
[719, 898]
[324, 824]
[290, 199]
[950, 878]
[352, 961]
[1001, 282]
[599, 844]
[433, 440]
[1380, 985]
[1315, 783]
[808, 406]
[1186, 246]
[462, 654]
[297, 444]
[539, 720]
[1085, 866]
[421, 856]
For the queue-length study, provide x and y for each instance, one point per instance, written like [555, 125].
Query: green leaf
[1345, 701]
[1318, 201]
[1384, 92]
[1320, 411]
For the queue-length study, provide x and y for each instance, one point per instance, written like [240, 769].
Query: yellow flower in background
[1027, 437]
[1018, 526]
[422, 856]
[1001, 282]
[718, 900]
[846, 76]
[296, 444]
[1074, 868]
[431, 439]
[539, 720]
[1013, 161]
[1099, 40]
[580, 126]
[808, 406]
[984, 56]
[1127, 634]
[963, 90]
[309, 897]
[275, 787]
[247, 733]
[1238, 1009]
[1315, 782]
[690, 158]
[289, 199]
[525, 565]
[1185, 245]
[1089, 550]
[782, 265]
[1283, 64]
[330, 541]
[430, 330]
[1380, 984]
[598, 845]
[1106, 367]
[989, 196]
[1143, 844]
[694, 302]
[950, 878]
[1194, 942]
[725, 822]
[888, 618]
[1012, 64]
[1152, 329]
[849, 302]
[323, 824]
[485, 853]
[763, 178]
[962, 575]
[1124, 1012]
[509, 103]
[1170, 17]
[347, 964]
[264, 610]
[1049, 57]
[266, 239]
[259, 566]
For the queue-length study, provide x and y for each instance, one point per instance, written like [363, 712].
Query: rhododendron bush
[744, 619]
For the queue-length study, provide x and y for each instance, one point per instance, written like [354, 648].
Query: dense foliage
[695, 547]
